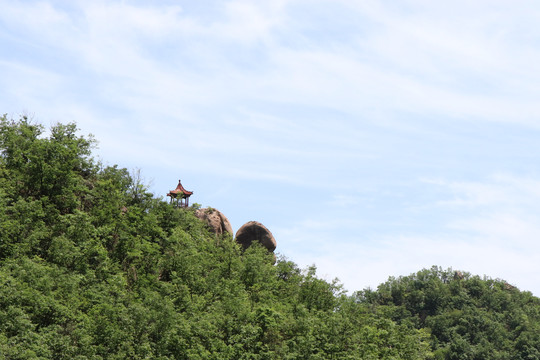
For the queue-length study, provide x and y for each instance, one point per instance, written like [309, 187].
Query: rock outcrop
[216, 221]
[255, 231]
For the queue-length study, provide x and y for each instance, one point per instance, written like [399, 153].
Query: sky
[373, 138]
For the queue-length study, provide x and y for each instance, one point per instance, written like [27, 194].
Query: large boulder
[216, 221]
[255, 231]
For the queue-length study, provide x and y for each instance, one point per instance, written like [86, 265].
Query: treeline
[94, 266]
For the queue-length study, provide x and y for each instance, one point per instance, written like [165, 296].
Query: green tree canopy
[94, 266]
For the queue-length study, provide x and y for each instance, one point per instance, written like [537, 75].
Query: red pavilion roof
[179, 190]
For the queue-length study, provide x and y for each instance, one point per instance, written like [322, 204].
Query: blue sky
[372, 139]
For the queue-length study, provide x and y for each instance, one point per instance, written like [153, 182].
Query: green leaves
[468, 317]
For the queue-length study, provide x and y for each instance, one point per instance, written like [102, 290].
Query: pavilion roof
[179, 190]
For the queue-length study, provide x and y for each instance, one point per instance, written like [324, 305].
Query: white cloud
[500, 190]
[155, 58]
[32, 16]
[248, 22]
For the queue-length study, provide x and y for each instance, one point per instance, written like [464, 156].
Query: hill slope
[93, 266]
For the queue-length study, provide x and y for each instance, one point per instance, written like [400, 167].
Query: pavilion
[181, 195]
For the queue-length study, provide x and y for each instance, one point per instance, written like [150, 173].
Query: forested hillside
[93, 266]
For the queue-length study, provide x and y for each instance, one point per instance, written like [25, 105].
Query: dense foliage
[468, 317]
[93, 266]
